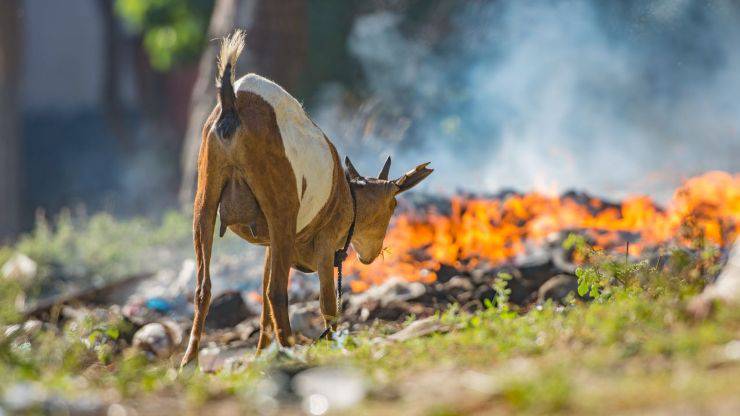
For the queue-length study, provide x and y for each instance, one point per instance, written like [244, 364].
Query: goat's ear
[413, 177]
[353, 174]
[386, 170]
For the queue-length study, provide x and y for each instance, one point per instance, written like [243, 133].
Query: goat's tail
[231, 48]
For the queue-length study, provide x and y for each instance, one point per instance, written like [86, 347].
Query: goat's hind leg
[265, 319]
[282, 238]
[204, 220]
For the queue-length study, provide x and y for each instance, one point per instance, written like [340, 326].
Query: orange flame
[496, 230]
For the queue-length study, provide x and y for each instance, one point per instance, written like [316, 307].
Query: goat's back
[306, 146]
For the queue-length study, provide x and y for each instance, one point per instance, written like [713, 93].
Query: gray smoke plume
[613, 97]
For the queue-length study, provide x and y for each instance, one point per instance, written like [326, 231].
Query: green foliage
[173, 31]
[99, 248]
[500, 286]
[679, 271]
[5, 254]
[9, 293]
[634, 343]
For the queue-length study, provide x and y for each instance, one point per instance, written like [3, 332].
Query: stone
[227, 310]
[446, 272]
[419, 328]
[557, 288]
[536, 270]
[520, 294]
[19, 268]
[457, 285]
[393, 289]
[159, 339]
[306, 319]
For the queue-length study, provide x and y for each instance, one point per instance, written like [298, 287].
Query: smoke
[613, 97]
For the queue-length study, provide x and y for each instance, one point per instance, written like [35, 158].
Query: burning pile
[473, 231]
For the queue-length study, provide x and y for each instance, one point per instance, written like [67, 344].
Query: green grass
[84, 250]
[633, 348]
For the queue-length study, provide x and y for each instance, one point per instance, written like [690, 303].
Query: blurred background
[586, 189]
[103, 100]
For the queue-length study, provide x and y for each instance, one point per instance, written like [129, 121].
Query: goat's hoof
[188, 366]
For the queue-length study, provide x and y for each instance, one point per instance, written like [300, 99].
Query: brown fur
[247, 178]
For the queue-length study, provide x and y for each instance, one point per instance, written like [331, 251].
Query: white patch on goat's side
[305, 146]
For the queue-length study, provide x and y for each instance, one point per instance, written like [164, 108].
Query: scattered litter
[159, 304]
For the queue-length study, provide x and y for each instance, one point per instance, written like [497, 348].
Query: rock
[212, 359]
[521, 292]
[446, 272]
[329, 389]
[418, 329]
[457, 285]
[305, 319]
[535, 271]
[12, 331]
[32, 326]
[159, 339]
[725, 289]
[26, 331]
[20, 268]
[395, 310]
[393, 289]
[390, 301]
[557, 288]
[227, 310]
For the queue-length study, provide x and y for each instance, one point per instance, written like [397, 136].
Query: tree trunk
[10, 155]
[203, 97]
[113, 107]
[276, 48]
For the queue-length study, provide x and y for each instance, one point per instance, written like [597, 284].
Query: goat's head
[376, 201]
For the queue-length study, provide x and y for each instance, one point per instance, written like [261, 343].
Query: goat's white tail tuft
[231, 48]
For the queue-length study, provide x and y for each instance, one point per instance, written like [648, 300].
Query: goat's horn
[386, 169]
[422, 166]
[353, 174]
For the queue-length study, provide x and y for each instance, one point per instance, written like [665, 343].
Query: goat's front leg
[328, 293]
[282, 237]
[265, 319]
[204, 219]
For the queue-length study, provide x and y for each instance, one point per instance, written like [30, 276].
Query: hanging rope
[341, 255]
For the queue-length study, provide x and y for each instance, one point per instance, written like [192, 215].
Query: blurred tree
[164, 39]
[173, 31]
[277, 39]
[10, 163]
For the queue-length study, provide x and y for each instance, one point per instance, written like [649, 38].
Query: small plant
[501, 287]
[83, 250]
[603, 269]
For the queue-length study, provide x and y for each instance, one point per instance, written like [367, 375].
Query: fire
[496, 230]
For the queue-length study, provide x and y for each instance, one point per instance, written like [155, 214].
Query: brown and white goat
[276, 180]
